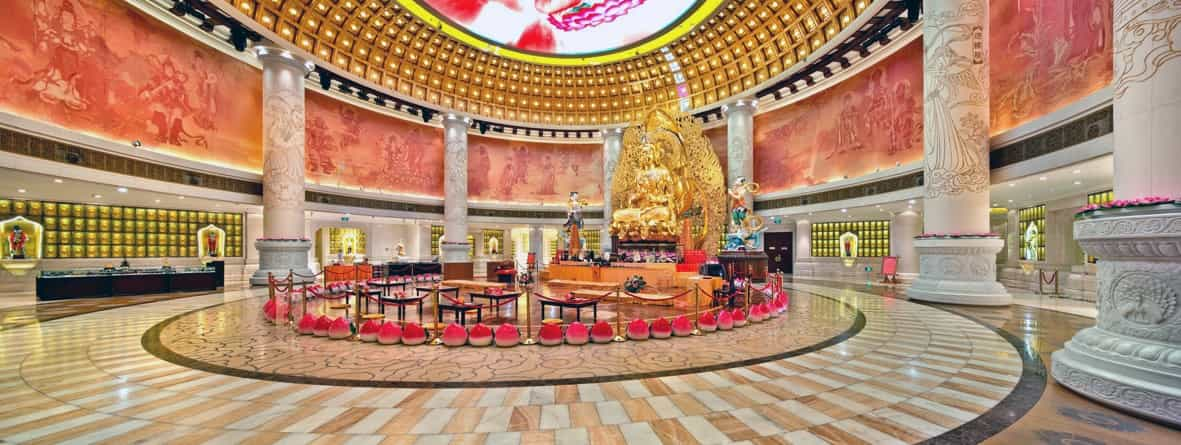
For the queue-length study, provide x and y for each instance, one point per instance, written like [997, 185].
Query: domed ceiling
[591, 31]
[510, 60]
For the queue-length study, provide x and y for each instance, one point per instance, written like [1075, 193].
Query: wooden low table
[419, 290]
[474, 284]
[577, 305]
[583, 284]
[401, 303]
[592, 293]
[494, 300]
[460, 310]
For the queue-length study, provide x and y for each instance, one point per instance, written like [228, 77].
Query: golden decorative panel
[742, 45]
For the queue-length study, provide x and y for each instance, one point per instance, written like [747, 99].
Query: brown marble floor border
[151, 343]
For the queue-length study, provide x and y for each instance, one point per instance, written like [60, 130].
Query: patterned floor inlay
[234, 338]
[1058, 415]
[912, 373]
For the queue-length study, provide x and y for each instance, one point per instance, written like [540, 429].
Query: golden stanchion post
[619, 314]
[747, 304]
[528, 318]
[438, 340]
[290, 290]
[696, 308]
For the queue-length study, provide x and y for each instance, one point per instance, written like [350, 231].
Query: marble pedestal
[457, 261]
[279, 258]
[959, 271]
[1131, 358]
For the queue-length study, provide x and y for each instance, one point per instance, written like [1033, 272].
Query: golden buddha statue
[651, 205]
[668, 184]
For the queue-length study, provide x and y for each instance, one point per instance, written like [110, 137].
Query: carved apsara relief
[956, 100]
[283, 164]
[1147, 36]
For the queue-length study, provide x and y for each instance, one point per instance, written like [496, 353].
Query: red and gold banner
[872, 120]
[1046, 54]
[531, 172]
[351, 147]
[104, 68]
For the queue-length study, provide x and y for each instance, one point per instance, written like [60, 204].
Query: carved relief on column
[455, 196]
[1147, 36]
[955, 84]
[283, 165]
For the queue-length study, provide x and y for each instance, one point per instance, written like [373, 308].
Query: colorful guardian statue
[574, 222]
[745, 229]
[16, 243]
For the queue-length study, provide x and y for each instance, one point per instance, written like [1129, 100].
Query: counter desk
[92, 283]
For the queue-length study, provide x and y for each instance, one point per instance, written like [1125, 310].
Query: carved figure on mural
[16, 243]
[169, 103]
[67, 41]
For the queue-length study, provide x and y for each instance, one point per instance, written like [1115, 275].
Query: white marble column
[1013, 239]
[612, 146]
[740, 129]
[955, 143]
[803, 247]
[283, 246]
[1131, 359]
[536, 243]
[904, 227]
[456, 249]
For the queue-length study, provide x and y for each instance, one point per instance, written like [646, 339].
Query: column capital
[613, 131]
[744, 104]
[270, 54]
[456, 118]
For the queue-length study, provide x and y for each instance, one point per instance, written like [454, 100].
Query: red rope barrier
[673, 297]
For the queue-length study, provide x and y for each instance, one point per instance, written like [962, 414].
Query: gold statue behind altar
[668, 185]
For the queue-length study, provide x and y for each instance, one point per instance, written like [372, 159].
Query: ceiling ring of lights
[487, 30]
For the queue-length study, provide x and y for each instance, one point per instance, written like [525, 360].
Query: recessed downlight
[1043, 178]
[21, 190]
[96, 196]
[121, 189]
[57, 180]
[180, 197]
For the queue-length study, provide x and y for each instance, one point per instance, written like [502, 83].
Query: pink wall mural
[104, 68]
[349, 146]
[532, 172]
[872, 120]
[1046, 54]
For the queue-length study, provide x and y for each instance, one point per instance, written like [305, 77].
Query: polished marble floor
[913, 373]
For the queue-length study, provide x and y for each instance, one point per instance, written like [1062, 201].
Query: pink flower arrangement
[1125, 203]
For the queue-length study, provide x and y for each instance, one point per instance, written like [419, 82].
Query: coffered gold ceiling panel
[392, 46]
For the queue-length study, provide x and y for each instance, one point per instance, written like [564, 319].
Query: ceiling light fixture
[910, 202]
[1077, 171]
[20, 190]
[1078, 182]
[180, 197]
[57, 180]
[157, 201]
[121, 189]
[1012, 184]
[96, 196]
[1043, 178]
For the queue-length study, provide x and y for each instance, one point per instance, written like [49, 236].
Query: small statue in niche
[400, 250]
[493, 246]
[16, 243]
[211, 242]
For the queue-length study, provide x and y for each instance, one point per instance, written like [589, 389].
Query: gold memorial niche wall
[742, 45]
[74, 230]
[873, 238]
[1032, 221]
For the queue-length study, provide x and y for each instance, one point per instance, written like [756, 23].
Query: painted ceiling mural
[872, 120]
[563, 27]
[351, 147]
[530, 172]
[1046, 54]
[103, 68]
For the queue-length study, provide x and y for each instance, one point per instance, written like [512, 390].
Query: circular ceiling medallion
[564, 32]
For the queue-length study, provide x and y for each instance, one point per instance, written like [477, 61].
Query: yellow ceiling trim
[702, 13]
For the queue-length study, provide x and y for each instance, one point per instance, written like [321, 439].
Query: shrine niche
[211, 242]
[21, 244]
[668, 185]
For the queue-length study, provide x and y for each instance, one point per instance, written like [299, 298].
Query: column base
[1124, 372]
[457, 263]
[279, 257]
[1131, 359]
[959, 271]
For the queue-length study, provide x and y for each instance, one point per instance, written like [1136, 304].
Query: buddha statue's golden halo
[668, 184]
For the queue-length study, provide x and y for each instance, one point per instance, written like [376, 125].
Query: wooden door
[778, 246]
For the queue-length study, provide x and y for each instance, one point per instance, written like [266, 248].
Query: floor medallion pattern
[233, 338]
